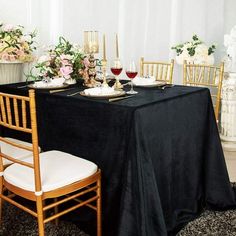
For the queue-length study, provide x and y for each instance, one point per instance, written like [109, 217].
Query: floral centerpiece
[63, 60]
[15, 45]
[230, 43]
[195, 51]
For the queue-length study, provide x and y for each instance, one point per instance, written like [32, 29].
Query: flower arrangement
[15, 45]
[64, 60]
[195, 51]
[230, 43]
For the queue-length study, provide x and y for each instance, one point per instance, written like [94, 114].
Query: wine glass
[131, 72]
[116, 68]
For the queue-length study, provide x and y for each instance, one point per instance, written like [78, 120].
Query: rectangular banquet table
[159, 152]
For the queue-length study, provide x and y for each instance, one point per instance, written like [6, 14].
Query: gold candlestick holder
[104, 68]
[91, 46]
[117, 85]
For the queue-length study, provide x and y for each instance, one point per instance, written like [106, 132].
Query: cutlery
[23, 86]
[119, 98]
[59, 90]
[72, 94]
[166, 86]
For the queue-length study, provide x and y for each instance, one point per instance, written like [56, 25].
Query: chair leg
[55, 212]
[40, 214]
[1, 200]
[99, 209]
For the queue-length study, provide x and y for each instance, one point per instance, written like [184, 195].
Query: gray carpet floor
[210, 223]
[19, 223]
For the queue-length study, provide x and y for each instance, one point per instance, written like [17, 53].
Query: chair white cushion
[13, 151]
[58, 169]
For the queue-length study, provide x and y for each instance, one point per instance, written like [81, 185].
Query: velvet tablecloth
[159, 152]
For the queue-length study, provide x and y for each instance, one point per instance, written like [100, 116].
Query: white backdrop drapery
[145, 27]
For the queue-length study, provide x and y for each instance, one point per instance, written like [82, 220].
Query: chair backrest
[162, 71]
[19, 113]
[206, 76]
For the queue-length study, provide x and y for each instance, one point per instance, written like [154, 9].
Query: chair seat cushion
[13, 151]
[58, 169]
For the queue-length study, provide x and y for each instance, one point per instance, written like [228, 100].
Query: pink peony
[66, 71]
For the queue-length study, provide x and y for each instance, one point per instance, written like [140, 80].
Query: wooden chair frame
[162, 71]
[206, 76]
[84, 187]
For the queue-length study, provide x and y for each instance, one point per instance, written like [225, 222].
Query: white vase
[10, 72]
[196, 59]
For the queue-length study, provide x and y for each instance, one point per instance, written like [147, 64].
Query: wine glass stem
[132, 86]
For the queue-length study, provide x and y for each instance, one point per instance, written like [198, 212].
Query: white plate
[49, 86]
[152, 84]
[116, 93]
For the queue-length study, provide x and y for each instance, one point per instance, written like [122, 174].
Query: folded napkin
[51, 83]
[144, 81]
[57, 81]
[99, 91]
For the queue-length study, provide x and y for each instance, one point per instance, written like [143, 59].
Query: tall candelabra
[91, 46]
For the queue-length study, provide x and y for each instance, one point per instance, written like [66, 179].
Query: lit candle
[104, 48]
[117, 47]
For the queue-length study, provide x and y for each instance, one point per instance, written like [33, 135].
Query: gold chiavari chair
[49, 175]
[162, 71]
[207, 76]
[10, 146]
[14, 150]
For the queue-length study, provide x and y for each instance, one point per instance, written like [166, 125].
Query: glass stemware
[131, 72]
[116, 69]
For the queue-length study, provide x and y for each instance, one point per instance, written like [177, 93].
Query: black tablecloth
[159, 152]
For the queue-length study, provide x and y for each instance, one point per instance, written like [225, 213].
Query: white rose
[8, 27]
[26, 38]
[201, 50]
[44, 58]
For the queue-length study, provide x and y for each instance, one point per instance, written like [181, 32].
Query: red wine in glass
[116, 71]
[131, 74]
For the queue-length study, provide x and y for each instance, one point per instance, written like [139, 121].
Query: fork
[59, 90]
[72, 94]
[167, 86]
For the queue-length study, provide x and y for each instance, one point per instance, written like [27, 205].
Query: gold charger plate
[151, 85]
[49, 87]
[116, 94]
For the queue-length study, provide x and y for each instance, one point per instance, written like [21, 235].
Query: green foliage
[191, 46]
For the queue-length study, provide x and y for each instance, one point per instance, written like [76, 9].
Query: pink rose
[19, 52]
[65, 62]
[12, 57]
[66, 71]
[5, 57]
[86, 62]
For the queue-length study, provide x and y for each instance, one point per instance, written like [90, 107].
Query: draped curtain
[145, 28]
